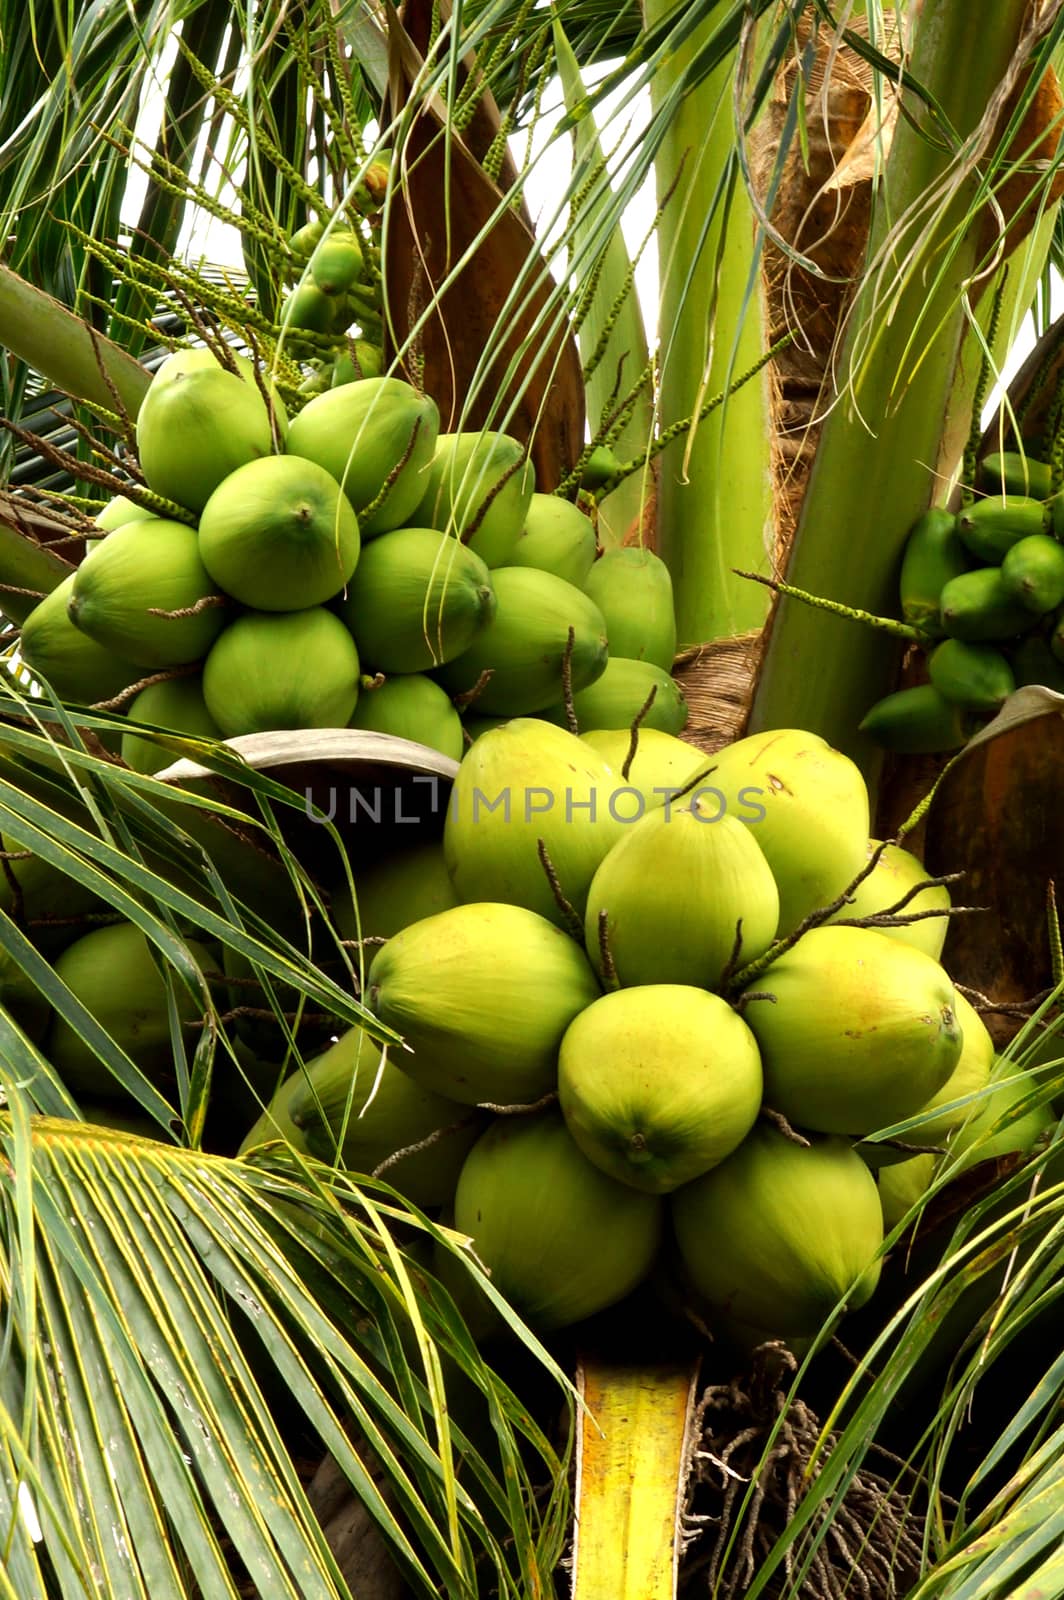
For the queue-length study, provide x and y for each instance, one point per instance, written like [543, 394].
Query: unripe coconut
[896, 873]
[117, 512]
[557, 537]
[778, 1233]
[902, 1185]
[350, 1105]
[178, 705]
[279, 535]
[198, 359]
[114, 974]
[658, 1084]
[392, 893]
[32, 890]
[808, 807]
[360, 360]
[22, 1000]
[683, 895]
[482, 995]
[662, 766]
[525, 644]
[147, 595]
[560, 1239]
[479, 488]
[417, 599]
[308, 309]
[633, 589]
[336, 264]
[76, 666]
[969, 1077]
[412, 707]
[519, 784]
[197, 427]
[367, 434]
[862, 1030]
[621, 692]
[1010, 1121]
[282, 669]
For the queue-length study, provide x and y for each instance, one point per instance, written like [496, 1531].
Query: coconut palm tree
[854, 216]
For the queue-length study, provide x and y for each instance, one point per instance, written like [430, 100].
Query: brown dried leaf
[439, 216]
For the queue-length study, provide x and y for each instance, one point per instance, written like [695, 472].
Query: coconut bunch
[638, 987]
[986, 586]
[350, 567]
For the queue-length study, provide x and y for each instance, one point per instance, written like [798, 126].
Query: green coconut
[76, 666]
[662, 767]
[1008, 1121]
[113, 972]
[684, 894]
[198, 359]
[412, 707]
[360, 360]
[479, 488]
[633, 589]
[177, 705]
[860, 1032]
[394, 892]
[336, 264]
[808, 808]
[525, 645]
[129, 595]
[560, 1239]
[350, 1106]
[779, 1233]
[282, 669]
[194, 428]
[658, 1084]
[902, 1185]
[481, 995]
[118, 511]
[35, 894]
[22, 1000]
[376, 437]
[278, 535]
[417, 599]
[517, 785]
[557, 537]
[894, 876]
[308, 309]
[621, 692]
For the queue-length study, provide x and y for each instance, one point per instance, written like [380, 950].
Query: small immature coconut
[282, 669]
[860, 1034]
[278, 535]
[482, 995]
[147, 595]
[348, 1103]
[77, 666]
[659, 1083]
[524, 646]
[194, 428]
[779, 1233]
[177, 704]
[807, 806]
[394, 892]
[412, 707]
[902, 1185]
[416, 600]
[560, 1239]
[557, 537]
[632, 587]
[895, 874]
[479, 489]
[520, 784]
[627, 691]
[662, 766]
[120, 510]
[685, 893]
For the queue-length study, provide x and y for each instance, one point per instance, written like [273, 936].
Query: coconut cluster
[350, 567]
[634, 994]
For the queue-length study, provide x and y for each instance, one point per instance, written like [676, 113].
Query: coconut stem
[566, 907]
[1056, 952]
[385, 488]
[520, 1111]
[133, 689]
[637, 720]
[899, 630]
[207, 602]
[470, 532]
[567, 683]
[609, 970]
[462, 702]
[422, 1144]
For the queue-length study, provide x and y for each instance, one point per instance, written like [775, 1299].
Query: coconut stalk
[873, 473]
[611, 335]
[715, 510]
[52, 341]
